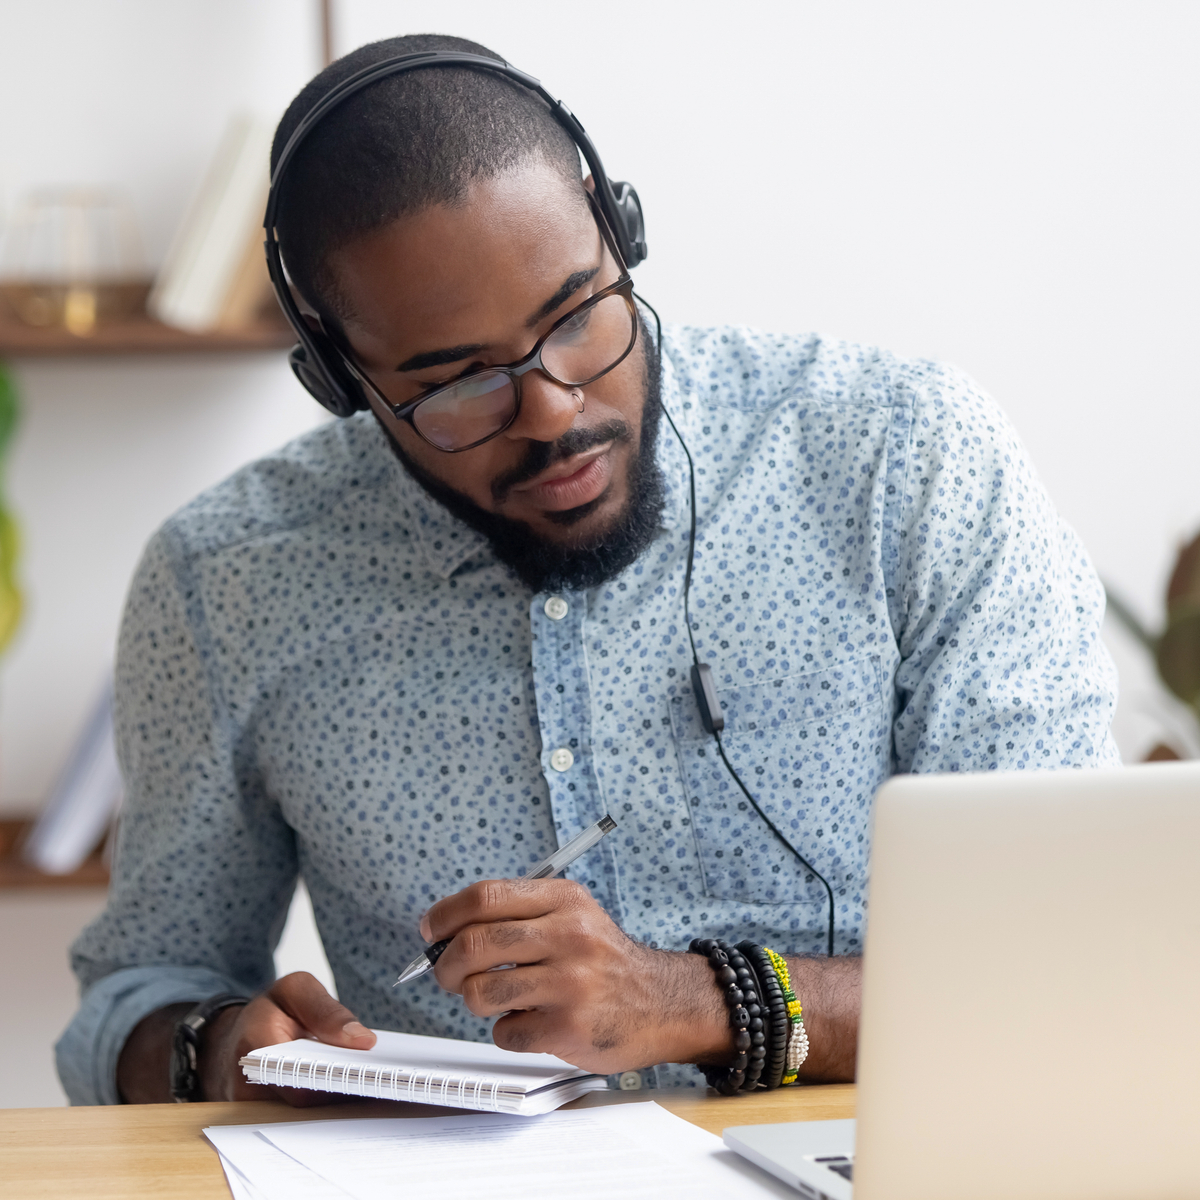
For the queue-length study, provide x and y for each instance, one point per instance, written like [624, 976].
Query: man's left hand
[578, 988]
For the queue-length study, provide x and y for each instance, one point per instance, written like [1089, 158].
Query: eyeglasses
[583, 345]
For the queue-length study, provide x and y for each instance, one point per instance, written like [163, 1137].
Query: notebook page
[586, 1154]
[437, 1056]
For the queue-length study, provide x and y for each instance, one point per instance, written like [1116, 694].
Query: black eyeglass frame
[532, 361]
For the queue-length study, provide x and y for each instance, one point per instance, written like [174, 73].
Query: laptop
[1031, 999]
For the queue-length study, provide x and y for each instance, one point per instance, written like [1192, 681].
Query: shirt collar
[671, 459]
[447, 542]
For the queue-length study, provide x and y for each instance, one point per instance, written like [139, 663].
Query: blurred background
[1012, 188]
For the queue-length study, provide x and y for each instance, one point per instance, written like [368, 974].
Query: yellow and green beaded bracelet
[797, 1049]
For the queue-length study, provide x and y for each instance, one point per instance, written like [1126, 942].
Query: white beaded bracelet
[797, 1047]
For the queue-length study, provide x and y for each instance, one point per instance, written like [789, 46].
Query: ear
[311, 317]
[589, 185]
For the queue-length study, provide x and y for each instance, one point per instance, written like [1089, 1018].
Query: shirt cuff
[87, 1052]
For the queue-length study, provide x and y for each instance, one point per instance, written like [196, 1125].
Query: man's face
[449, 289]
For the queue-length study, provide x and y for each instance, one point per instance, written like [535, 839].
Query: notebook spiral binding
[389, 1083]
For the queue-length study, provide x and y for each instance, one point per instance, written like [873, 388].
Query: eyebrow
[435, 358]
[452, 354]
[572, 284]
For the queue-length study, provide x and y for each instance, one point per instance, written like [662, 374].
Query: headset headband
[317, 361]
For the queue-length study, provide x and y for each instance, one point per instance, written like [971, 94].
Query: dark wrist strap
[185, 1045]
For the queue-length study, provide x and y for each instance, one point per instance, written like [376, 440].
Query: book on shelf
[214, 276]
[430, 1070]
[84, 800]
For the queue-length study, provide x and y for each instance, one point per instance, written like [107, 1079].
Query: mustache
[545, 454]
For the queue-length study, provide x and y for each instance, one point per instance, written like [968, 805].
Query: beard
[548, 566]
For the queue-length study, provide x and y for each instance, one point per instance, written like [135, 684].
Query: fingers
[296, 1006]
[501, 900]
[482, 948]
[303, 998]
[604, 1040]
[494, 992]
[234, 1033]
[532, 1033]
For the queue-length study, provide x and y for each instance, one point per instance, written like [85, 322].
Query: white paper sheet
[634, 1151]
[656, 1128]
[239, 1185]
[257, 1170]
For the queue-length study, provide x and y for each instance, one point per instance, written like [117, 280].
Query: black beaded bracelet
[775, 1014]
[758, 1029]
[739, 985]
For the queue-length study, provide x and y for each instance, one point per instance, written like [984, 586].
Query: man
[408, 657]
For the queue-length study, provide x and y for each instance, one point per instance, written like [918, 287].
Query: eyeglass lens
[579, 351]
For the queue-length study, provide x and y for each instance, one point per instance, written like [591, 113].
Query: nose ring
[577, 395]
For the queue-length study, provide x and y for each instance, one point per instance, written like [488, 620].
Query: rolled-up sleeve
[87, 1052]
[205, 863]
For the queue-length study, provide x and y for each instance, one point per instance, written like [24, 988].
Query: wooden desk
[135, 1152]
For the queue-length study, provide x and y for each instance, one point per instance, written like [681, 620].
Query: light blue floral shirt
[322, 672]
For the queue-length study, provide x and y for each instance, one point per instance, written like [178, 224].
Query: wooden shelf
[16, 874]
[139, 336]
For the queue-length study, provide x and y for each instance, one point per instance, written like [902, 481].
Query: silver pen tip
[417, 967]
[607, 824]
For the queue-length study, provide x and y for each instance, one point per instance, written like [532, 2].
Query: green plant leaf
[11, 600]
[1178, 653]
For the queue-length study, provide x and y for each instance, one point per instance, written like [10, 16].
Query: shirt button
[562, 759]
[630, 1081]
[557, 608]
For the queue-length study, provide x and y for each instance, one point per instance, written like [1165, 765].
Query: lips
[569, 484]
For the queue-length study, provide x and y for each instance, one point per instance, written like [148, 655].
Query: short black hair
[410, 141]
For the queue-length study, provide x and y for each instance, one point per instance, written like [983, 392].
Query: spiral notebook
[429, 1070]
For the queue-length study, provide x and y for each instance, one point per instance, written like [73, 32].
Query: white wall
[106, 452]
[133, 94]
[37, 990]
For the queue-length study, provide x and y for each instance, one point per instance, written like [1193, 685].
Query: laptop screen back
[1031, 1006]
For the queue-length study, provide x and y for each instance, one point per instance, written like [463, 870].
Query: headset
[320, 364]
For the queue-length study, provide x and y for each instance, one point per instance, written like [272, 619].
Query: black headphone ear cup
[317, 369]
[633, 224]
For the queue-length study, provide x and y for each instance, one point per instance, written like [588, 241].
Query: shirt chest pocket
[811, 749]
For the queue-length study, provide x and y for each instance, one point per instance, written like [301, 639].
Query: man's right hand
[295, 1006]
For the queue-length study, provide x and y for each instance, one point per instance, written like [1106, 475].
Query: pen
[558, 861]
